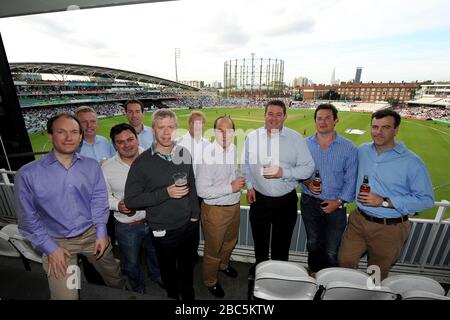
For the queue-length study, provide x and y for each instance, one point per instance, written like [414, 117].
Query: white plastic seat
[341, 290]
[286, 268]
[6, 247]
[350, 284]
[283, 280]
[327, 275]
[21, 243]
[423, 295]
[404, 283]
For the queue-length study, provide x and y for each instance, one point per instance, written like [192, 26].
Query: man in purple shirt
[62, 204]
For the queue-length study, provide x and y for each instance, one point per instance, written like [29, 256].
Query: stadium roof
[25, 7]
[93, 71]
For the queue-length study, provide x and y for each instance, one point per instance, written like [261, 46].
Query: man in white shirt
[132, 230]
[193, 140]
[220, 188]
[276, 158]
[195, 143]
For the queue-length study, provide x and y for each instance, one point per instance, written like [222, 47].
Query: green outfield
[429, 139]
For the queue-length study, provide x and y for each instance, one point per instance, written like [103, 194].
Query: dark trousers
[197, 234]
[324, 232]
[174, 251]
[276, 214]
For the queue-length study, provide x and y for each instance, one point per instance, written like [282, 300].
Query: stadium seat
[349, 284]
[423, 295]
[6, 247]
[401, 284]
[21, 243]
[341, 290]
[283, 280]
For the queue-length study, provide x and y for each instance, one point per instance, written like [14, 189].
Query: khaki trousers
[220, 230]
[107, 266]
[382, 242]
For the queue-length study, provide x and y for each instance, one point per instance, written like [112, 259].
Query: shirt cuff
[287, 173]
[101, 231]
[114, 205]
[49, 247]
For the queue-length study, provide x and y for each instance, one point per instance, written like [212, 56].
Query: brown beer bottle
[365, 187]
[317, 181]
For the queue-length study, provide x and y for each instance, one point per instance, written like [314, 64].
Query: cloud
[292, 28]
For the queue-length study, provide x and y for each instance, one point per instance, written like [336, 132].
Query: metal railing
[427, 250]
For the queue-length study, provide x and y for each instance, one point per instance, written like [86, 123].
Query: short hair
[196, 114]
[84, 109]
[163, 113]
[52, 120]
[327, 106]
[119, 128]
[224, 117]
[387, 113]
[278, 103]
[134, 101]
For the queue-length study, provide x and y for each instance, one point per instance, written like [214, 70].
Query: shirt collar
[281, 132]
[399, 148]
[167, 157]
[51, 158]
[338, 139]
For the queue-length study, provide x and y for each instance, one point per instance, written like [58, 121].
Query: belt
[307, 196]
[221, 205]
[383, 220]
[143, 221]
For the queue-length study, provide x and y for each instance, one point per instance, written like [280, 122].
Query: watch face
[385, 204]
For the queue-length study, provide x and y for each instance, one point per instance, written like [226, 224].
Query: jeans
[324, 232]
[131, 237]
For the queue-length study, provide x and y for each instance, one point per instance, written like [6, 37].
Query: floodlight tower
[177, 55]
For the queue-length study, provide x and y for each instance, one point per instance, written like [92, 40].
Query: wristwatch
[385, 202]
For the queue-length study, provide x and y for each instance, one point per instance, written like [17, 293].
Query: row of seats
[13, 244]
[283, 280]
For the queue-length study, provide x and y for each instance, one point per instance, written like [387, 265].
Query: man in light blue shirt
[323, 206]
[62, 205]
[276, 157]
[399, 185]
[92, 145]
[134, 110]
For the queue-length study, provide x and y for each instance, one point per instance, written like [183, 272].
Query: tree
[392, 101]
[331, 95]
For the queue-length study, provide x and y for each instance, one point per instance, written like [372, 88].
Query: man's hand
[237, 184]
[370, 199]
[57, 264]
[309, 184]
[330, 205]
[251, 196]
[100, 246]
[177, 192]
[123, 209]
[272, 172]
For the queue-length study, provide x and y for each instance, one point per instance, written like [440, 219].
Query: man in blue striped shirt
[323, 207]
[399, 185]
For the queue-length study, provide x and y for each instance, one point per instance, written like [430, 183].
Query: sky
[392, 40]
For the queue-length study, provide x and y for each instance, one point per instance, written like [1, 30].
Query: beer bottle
[317, 181]
[365, 187]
